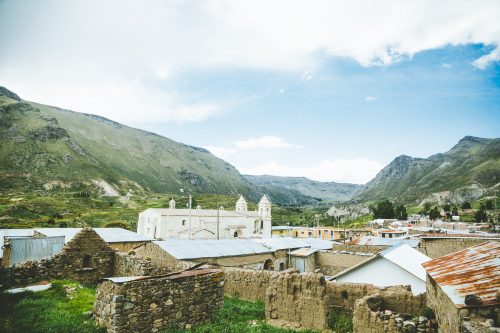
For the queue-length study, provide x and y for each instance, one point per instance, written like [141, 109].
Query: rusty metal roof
[475, 270]
[456, 235]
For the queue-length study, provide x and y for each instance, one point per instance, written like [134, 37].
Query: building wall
[160, 258]
[182, 300]
[131, 265]
[331, 263]
[86, 258]
[383, 273]
[359, 248]
[308, 300]
[309, 263]
[126, 246]
[445, 310]
[437, 247]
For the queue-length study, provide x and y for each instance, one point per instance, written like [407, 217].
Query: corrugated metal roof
[281, 243]
[475, 270]
[13, 233]
[401, 255]
[304, 252]
[211, 248]
[320, 244]
[379, 241]
[407, 258]
[123, 279]
[28, 248]
[480, 236]
[109, 235]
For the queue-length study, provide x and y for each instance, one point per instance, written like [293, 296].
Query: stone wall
[334, 262]
[369, 316]
[162, 259]
[359, 248]
[307, 300]
[249, 284]
[437, 247]
[453, 319]
[179, 300]
[86, 258]
[131, 265]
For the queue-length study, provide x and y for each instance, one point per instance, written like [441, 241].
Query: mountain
[304, 189]
[467, 171]
[44, 147]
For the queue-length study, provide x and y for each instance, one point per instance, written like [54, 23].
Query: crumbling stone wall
[359, 248]
[86, 258]
[334, 262]
[437, 247]
[179, 300]
[307, 300]
[131, 265]
[369, 316]
[249, 284]
[162, 259]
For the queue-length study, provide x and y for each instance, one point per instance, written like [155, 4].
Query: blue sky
[325, 91]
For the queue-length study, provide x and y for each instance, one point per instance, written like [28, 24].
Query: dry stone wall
[131, 265]
[86, 258]
[178, 300]
[370, 317]
[437, 247]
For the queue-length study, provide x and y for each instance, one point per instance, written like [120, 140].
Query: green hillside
[44, 147]
[466, 172]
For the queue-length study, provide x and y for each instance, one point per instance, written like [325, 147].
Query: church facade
[165, 223]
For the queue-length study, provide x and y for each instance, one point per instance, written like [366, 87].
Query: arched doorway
[269, 265]
[235, 234]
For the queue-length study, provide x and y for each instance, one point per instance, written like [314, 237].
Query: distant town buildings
[198, 223]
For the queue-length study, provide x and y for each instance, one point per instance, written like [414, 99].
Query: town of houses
[386, 275]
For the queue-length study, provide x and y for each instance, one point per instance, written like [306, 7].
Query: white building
[164, 223]
[397, 265]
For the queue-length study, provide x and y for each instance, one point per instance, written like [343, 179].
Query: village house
[397, 265]
[463, 289]
[198, 223]
[20, 245]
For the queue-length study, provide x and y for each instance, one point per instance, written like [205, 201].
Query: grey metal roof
[109, 235]
[320, 244]
[281, 243]
[211, 248]
[13, 233]
[379, 241]
[29, 248]
[304, 252]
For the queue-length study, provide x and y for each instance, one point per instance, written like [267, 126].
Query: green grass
[49, 311]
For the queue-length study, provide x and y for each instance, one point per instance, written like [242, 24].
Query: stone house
[397, 265]
[463, 288]
[167, 223]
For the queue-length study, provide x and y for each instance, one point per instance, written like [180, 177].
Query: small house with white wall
[198, 223]
[397, 265]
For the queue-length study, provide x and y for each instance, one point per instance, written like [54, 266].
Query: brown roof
[444, 235]
[475, 270]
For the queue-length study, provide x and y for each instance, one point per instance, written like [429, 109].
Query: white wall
[383, 273]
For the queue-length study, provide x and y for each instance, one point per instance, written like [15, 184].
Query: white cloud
[370, 98]
[266, 141]
[358, 170]
[88, 49]
[446, 65]
[221, 152]
[486, 60]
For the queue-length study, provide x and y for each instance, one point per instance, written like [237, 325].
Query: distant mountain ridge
[305, 189]
[467, 171]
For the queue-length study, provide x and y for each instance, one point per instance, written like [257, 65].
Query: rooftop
[379, 241]
[475, 270]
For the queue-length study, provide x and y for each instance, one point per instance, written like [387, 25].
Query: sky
[329, 90]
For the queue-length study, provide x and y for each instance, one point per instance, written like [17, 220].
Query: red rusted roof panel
[475, 270]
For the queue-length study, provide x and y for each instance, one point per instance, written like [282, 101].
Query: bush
[340, 321]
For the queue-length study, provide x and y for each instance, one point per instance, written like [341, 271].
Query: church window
[261, 224]
[86, 262]
[235, 234]
[183, 222]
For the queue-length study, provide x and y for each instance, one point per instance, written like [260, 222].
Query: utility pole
[190, 203]
[218, 213]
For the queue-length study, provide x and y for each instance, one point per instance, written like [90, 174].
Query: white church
[197, 223]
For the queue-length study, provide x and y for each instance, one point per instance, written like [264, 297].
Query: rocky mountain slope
[467, 171]
[44, 147]
[310, 190]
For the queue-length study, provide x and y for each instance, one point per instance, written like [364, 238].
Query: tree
[447, 207]
[426, 208]
[481, 214]
[434, 213]
[383, 210]
[489, 205]
[466, 205]
[454, 211]
[400, 212]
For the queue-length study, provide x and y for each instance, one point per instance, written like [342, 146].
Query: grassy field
[53, 311]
